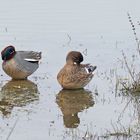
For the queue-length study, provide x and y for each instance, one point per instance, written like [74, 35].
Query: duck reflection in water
[71, 102]
[17, 93]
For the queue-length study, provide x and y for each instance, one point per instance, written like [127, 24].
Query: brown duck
[75, 75]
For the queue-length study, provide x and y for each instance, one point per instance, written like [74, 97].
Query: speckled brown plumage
[74, 75]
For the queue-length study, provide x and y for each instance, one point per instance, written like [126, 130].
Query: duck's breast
[11, 68]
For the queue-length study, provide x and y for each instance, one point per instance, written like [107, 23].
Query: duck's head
[74, 57]
[8, 53]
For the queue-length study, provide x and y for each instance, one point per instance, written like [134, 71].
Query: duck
[19, 64]
[75, 75]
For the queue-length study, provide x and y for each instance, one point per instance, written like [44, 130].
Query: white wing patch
[87, 70]
[30, 60]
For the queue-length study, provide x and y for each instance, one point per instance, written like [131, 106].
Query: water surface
[39, 108]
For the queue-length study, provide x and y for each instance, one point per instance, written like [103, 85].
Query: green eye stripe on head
[7, 53]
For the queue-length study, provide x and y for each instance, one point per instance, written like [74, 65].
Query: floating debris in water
[85, 52]
[69, 37]
[68, 42]
[101, 37]
[6, 30]
[96, 91]
[80, 44]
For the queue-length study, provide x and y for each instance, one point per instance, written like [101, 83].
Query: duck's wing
[27, 60]
[74, 77]
[83, 73]
[30, 56]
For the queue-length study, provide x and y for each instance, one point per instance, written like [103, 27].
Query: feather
[89, 68]
[31, 60]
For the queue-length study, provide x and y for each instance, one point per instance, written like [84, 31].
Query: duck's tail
[90, 68]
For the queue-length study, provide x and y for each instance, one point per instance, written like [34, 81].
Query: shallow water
[39, 108]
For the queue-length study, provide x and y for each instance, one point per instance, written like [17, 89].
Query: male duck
[19, 64]
[75, 75]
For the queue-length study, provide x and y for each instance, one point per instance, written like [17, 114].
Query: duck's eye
[11, 51]
[76, 60]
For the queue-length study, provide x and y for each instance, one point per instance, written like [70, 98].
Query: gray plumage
[23, 64]
[27, 60]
